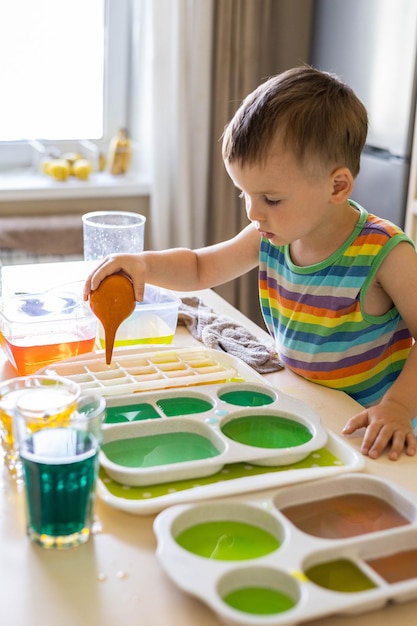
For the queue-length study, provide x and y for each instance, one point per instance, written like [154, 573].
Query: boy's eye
[270, 201]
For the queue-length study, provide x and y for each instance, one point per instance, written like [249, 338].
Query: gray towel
[223, 333]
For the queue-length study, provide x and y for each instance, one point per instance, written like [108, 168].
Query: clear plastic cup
[108, 232]
[63, 395]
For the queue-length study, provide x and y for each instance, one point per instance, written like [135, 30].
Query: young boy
[338, 286]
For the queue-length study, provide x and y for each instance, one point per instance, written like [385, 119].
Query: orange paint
[28, 358]
[348, 515]
[112, 302]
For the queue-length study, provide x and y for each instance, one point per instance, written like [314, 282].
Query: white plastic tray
[158, 370]
[320, 574]
[337, 457]
[189, 437]
[138, 369]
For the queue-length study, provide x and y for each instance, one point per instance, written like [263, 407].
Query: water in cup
[60, 464]
[59, 467]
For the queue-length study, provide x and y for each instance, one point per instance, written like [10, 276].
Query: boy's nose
[253, 210]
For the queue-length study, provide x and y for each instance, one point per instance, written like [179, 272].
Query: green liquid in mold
[162, 449]
[246, 398]
[339, 575]
[173, 407]
[259, 601]
[227, 540]
[130, 413]
[267, 431]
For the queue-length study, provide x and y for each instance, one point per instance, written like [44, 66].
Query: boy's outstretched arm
[181, 269]
[389, 423]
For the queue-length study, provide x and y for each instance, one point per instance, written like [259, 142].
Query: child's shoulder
[376, 224]
[375, 233]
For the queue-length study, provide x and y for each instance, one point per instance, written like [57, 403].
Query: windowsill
[26, 185]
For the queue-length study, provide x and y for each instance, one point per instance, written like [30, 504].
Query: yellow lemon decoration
[82, 169]
[46, 166]
[71, 158]
[59, 169]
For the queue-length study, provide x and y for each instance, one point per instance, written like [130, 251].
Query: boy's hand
[131, 265]
[387, 423]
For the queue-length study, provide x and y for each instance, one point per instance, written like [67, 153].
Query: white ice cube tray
[194, 433]
[137, 369]
[358, 560]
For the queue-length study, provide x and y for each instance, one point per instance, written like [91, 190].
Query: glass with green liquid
[60, 465]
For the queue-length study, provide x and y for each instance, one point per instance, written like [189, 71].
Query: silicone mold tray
[181, 445]
[138, 369]
[197, 433]
[341, 545]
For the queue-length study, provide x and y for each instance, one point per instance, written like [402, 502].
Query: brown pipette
[112, 302]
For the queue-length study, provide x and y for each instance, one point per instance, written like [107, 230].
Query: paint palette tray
[197, 433]
[175, 445]
[137, 369]
[346, 544]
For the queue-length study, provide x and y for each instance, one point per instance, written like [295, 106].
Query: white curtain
[179, 36]
[254, 39]
[198, 60]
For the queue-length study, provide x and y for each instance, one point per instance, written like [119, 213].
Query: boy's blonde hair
[312, 113]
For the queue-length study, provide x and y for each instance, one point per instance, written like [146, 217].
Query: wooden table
[115, 579]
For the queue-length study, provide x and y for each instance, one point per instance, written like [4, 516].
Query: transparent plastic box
[39, 329]
[153, 321]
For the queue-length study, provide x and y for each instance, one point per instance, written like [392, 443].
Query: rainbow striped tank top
[316, 316]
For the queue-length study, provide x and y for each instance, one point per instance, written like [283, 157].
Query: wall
[50, 227]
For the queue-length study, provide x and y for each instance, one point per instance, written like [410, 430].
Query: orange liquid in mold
[344, 516]
[396, 567]
[28, 359]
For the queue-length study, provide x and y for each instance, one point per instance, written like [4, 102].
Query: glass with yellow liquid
[55, 396]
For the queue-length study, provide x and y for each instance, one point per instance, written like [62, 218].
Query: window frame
[17, 155]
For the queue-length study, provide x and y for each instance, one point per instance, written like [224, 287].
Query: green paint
[130, 413]
[165, 449]
[246, 397]
[339, 575]
[186, 405]
[267, 431]
[259, 600]
[224, 540]
[231, 472]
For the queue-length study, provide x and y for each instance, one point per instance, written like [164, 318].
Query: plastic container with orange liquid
[39, 329]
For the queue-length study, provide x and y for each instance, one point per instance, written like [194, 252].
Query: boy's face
[284, 201]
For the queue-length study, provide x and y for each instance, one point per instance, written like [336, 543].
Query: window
[63, 72]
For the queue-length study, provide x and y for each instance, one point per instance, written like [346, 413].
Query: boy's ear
[342, 181]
